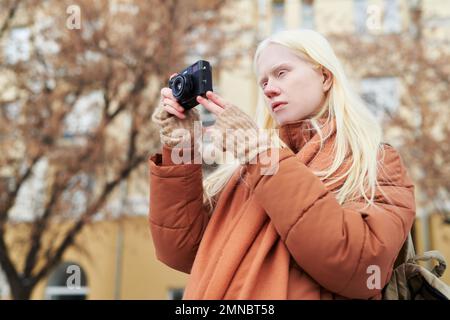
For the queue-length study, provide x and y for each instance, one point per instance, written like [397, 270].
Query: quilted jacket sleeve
[177, 216]
[340, 246]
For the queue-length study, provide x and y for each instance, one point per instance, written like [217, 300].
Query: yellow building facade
[119, 263]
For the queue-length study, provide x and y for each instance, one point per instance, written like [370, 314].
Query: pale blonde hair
[357, 130]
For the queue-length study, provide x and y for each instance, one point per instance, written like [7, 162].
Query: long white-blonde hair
[357, 131]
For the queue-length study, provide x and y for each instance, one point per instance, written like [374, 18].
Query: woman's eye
[281, 73]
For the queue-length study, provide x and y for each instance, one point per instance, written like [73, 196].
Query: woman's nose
[271, 91]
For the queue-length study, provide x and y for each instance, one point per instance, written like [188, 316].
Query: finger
[173, 111]
[209, 105]
[173, 104]
[221, 102]
[173, 75]
[167, 93]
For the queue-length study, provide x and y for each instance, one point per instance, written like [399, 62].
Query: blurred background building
[76, 134]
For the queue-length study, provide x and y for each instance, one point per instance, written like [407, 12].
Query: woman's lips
[278, 106]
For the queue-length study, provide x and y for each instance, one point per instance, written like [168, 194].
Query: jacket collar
[297, 133]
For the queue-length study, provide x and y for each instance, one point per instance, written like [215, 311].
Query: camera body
[193, 81]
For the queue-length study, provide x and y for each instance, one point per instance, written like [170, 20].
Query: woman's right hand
[170, 104]
[170, 116]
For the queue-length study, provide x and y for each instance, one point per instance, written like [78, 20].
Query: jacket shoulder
[391, 168]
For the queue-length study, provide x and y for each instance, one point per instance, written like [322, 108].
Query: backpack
[411, 281]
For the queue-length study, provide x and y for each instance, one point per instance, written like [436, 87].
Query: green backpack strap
[411, 281]
[439, 269]
[406, 253]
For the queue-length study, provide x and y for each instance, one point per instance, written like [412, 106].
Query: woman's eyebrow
[275, 67]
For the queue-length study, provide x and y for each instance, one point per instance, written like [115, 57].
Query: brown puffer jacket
[281, 236]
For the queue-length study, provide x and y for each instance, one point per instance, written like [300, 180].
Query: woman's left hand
[238, 133]
[214, 103]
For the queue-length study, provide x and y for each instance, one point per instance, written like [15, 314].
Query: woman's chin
[283, 116]
[283, 119]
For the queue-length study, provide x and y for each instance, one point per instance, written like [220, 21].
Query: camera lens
[181, 86]
[178, 85]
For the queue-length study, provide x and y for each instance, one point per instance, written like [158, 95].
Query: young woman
[327, 224]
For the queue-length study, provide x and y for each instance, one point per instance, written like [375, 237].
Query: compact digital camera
[193, 81]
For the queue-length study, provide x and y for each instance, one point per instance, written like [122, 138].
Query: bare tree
[9, 11]
[110, 70]
[420, 62]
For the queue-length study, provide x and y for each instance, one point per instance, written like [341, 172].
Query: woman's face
[292, 81]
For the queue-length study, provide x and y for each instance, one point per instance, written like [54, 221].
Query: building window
[376, 18]
[12, 111]
[17, 47]
[392, 22]
[85, 115]
[78, 194]
[381, 95]
[67, 282]
[30, 202]
[277, 15]
[360, 15]
[175, 293]
[307, 14]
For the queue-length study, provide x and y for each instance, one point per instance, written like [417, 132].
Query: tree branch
[10, 16]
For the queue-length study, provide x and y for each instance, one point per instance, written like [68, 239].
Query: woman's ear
[327, 79]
